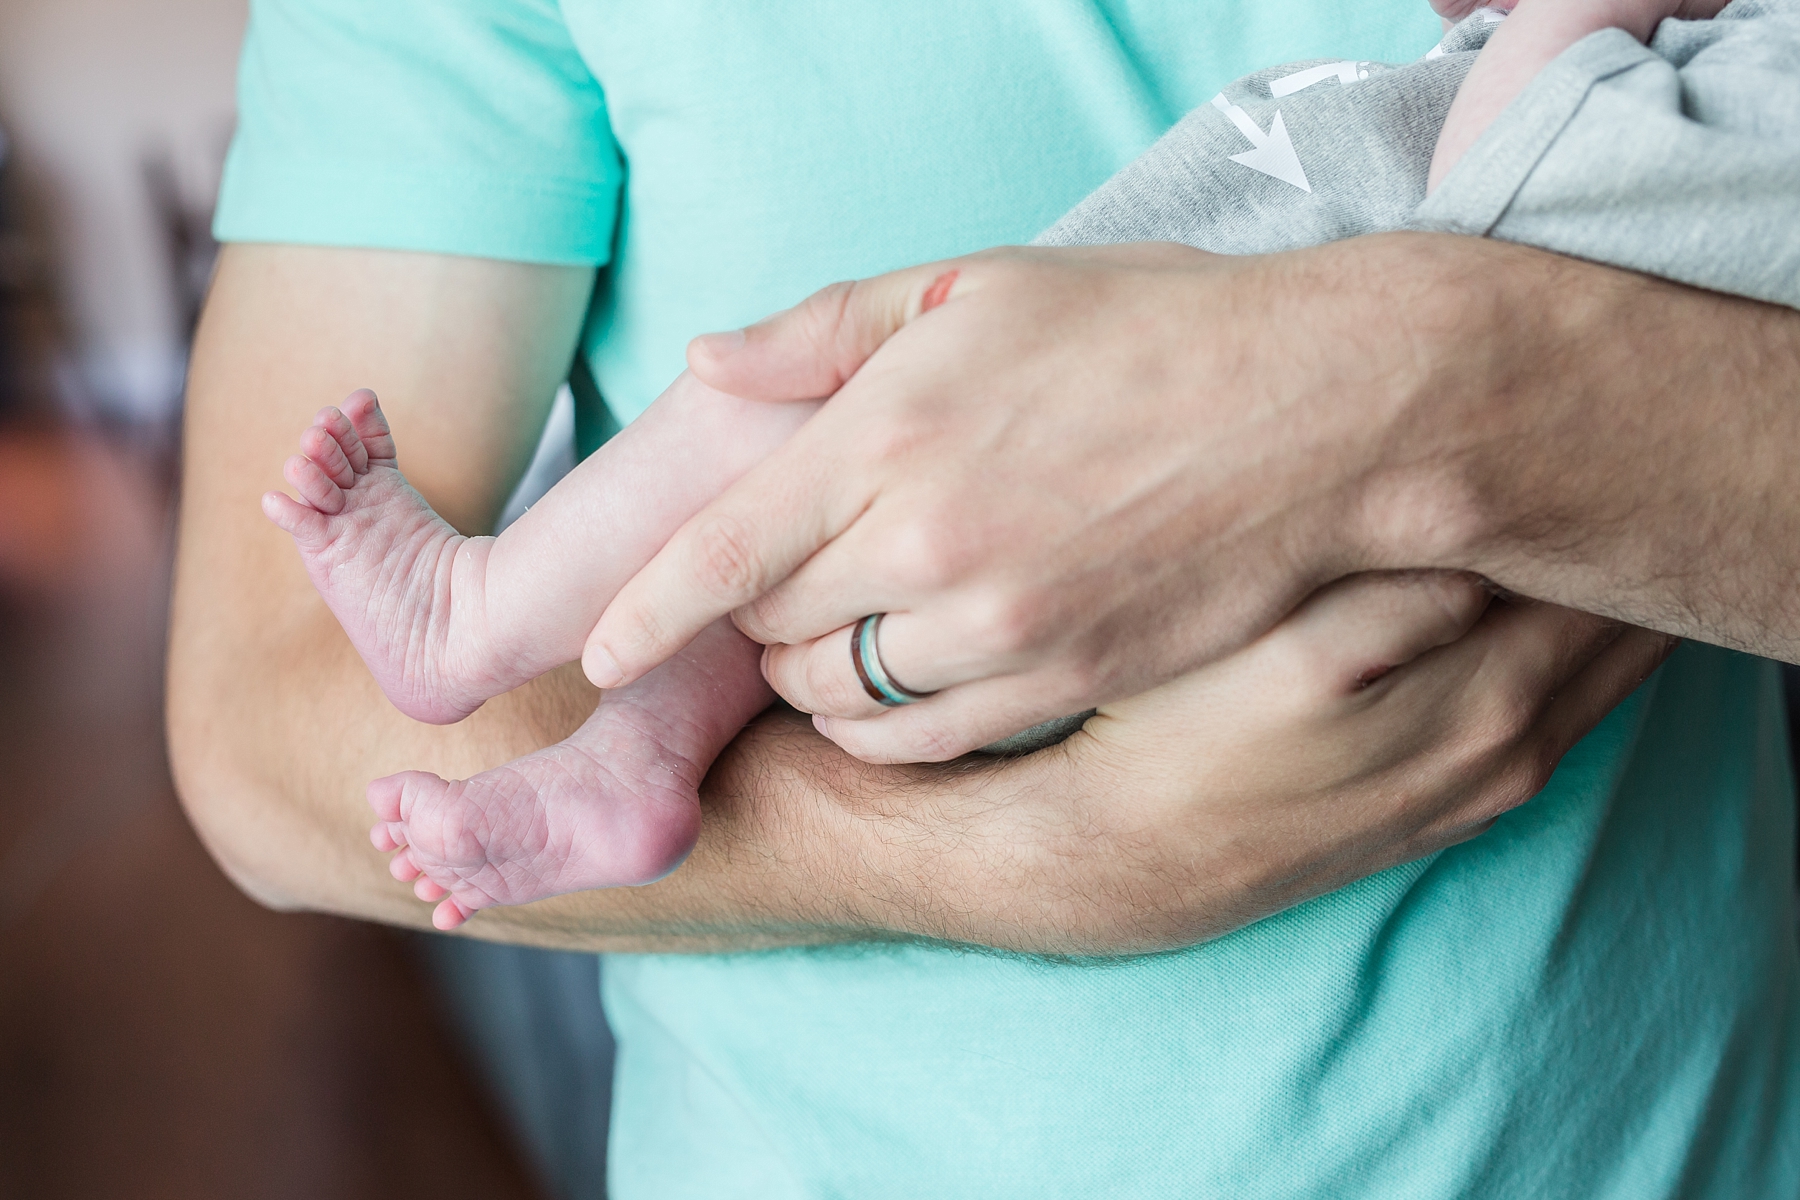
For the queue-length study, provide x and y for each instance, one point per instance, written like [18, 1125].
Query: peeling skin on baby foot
[389, 567]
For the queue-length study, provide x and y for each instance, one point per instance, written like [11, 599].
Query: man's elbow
[228, 801]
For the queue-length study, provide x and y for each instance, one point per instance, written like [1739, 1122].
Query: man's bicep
[465, 353]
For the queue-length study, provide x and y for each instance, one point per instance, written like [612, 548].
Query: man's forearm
[284, 810]
[800, 843]
[1601, 439]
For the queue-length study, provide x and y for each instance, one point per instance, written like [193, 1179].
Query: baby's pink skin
[1534, 34]
[406, 586]
[615, 804]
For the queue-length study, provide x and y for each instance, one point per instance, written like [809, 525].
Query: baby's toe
[318, 445]
[388, 835]
[428, 889]
[315, 487]
[298, 520]
[403, 868]
[333, 421]
[450, 914]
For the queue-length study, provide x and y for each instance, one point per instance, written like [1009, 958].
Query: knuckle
[1461, 597]
[828, 306]
[1298, 671]
[930, 740]
[1509, 714]
[827, 321]
[765, 618]
[651, 629]
[921, 555]
[727, 560]
[1004, 624]
[1515, 780]
[828, 691]
[1519, 781]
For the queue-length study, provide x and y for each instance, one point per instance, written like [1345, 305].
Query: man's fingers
[1602, 685]
[819, 677]
[1570, 672]
[810, 350]
[1358, 629]
[1532, 648]
[1347, 636]
[733, 550]
[955, 722]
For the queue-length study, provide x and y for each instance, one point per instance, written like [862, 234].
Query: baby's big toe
[364, 413]
[297, 520]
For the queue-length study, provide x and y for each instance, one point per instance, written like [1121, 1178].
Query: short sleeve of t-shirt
[455, 126]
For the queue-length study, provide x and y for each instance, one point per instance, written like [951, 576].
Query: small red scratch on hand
[938, 292]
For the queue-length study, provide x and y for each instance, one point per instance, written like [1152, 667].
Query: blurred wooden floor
[160, 1035]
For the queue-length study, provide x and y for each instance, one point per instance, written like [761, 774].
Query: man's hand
[1386, 719]
[1082, 473]
[1253, 815]
[1091, 470]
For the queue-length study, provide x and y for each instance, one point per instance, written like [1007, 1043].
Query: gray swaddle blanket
[1679, 159]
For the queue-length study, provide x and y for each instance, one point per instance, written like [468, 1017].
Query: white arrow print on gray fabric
[1345, 73]
[1274, 152]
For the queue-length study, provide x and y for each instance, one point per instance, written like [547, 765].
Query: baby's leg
[446, 621]
[617, 804]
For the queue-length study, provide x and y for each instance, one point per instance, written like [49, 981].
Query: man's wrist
[1467, 326]
[1398, 331]
[1584, 435]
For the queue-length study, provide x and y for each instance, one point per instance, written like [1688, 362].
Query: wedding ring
[882, 687]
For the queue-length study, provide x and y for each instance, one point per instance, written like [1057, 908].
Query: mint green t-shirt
[1595, 999]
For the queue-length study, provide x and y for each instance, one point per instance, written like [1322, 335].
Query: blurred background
[160, 1035]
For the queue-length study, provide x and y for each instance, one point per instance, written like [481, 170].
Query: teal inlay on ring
[880, 686]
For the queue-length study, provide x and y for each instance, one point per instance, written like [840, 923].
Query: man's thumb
[809, 351]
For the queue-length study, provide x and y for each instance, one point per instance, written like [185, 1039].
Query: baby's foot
[405, 585]
[617, 804]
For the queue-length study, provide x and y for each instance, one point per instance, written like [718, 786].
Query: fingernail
[602, 670]
[721, 345]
